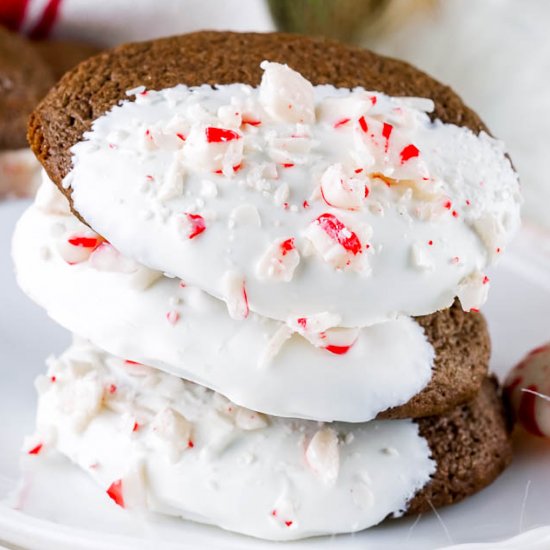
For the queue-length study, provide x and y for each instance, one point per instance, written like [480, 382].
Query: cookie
[471, 445]
[24, 79]
[217, 58]
[274, 478]
[63, 55]
[462, 345]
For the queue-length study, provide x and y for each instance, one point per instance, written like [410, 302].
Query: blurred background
[494, 53]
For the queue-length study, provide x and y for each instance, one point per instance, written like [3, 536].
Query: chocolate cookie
[101, 82]
[471, 445]
[462, 348]
[63, 55]
[24, 80]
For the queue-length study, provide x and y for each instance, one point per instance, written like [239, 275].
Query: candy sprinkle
[115, 492]
[336, 230]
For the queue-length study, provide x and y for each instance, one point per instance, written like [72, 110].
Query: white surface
[518, 501]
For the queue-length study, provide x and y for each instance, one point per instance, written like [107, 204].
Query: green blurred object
[345, 20]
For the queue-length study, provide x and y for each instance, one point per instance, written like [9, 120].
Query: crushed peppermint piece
[197, 225]
[173, 317]
[220, 135]
[115, 492]
[235, 295]
[36, 449]
[323, 456]
[408, 152]
[279, 261]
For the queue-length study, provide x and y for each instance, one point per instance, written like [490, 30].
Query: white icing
[147, 165]
[19, 173]
[266, 365]
[165, 445]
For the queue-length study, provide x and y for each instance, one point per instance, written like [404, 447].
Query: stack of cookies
[272, 251]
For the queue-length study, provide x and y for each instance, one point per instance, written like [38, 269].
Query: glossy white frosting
[259, 363]
[155, 442]
[388, 212]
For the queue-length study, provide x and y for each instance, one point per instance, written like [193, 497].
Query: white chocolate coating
[157, 443]
[259, 363]
[389, 212]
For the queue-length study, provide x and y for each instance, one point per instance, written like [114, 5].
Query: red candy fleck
[386, 133]
[36, 450]
[190, 444]
[246, 306]
[287, 164]
[173, 317]
[367, 191]
[53, 379]
[485, 280]
[252, 122]
[447, 205]
[468, 203]
[338, 350]
[130, 362]
[288, 523]
[302, 321]
[287, 246]
[305, 204]
[358, 170]
[220, 135]
[363, 124]
[409, 152]
[336, 230]
[198, 225]
[455, 214]
[181, 136]
[85, 242]
[499, 250]
[115, 492]
[430, 243]
[112, 388]
[342, 122]
[135, 427]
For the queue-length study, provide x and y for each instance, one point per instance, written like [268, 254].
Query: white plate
[59, 508]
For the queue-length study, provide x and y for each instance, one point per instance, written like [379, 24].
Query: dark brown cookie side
[471, 446]
[63, 55]
[24, 80]
[462, 346]
[99, 83]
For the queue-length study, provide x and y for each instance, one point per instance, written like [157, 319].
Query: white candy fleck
[323, 456]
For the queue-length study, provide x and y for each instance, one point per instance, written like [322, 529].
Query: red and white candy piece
[234, 291]
[130, 490]
[191, 225]
[107, 258]
[528, 390]
[337, 243]
[214, 149]
[341, 191]
[77, 247]
[322, 331]
[323, 455]
[279, 261]
[172, 433]
[286, 95]
[473, 291]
